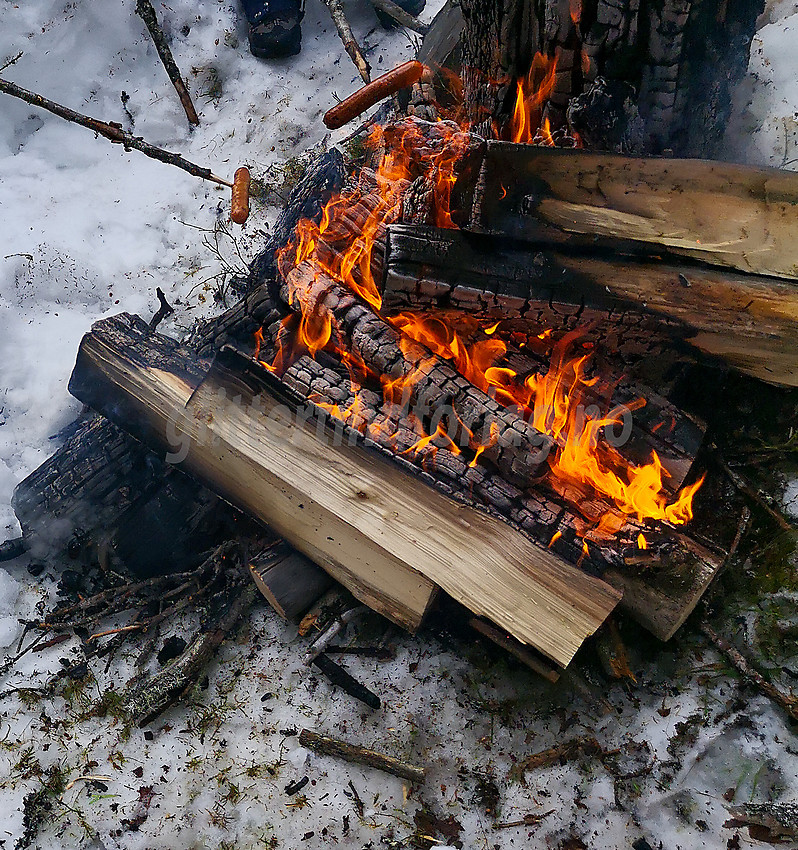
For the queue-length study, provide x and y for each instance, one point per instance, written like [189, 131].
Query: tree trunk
[664, 69]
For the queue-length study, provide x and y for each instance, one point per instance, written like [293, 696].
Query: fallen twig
[87, 778]
[341, 677]
[144, 701]
[112, 132]
[787, 701]
[515, 648]
[334, 628]
[146, 12]
[748, 490]
[131, 628]
[401, 17]
[351, 46]
[360, 755]
[567, 751]
[526, 820]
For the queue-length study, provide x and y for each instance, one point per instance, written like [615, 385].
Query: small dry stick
[526, 820]
[112, 132]
[360, 755]
[336, 8]
[787, 701]
[132, 628]
[748, 490]
[401, 17]
[515, 648]
[145, 11]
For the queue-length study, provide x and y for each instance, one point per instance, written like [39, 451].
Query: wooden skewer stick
[401, 17]
[111, 131]
[360, 755]
[146, 12]
[351, 46]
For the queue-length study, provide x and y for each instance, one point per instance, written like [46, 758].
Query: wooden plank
[382, 533]
[736, 216]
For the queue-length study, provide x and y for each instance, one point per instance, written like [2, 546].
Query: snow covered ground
[87, 230]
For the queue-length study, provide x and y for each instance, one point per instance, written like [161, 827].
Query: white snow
[764, 129]
[87, 230]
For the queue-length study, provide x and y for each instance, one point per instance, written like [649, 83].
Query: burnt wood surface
[668, 67]
[434, 388]
[638, 305]
[105, 495]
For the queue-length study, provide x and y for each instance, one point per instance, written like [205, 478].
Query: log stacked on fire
[485, 443]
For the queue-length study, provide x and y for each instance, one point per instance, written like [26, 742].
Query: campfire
[447, 376]
[340, 253]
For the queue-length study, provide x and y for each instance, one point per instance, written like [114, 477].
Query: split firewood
[290, 582]
[360, 755]
[336, 9]
[636, 301]
[146, 12]
[268, 460]
[664, 204]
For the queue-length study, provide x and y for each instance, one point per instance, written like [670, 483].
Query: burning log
[332, 502]
[107, 494]
[416, 376]
[672, 64]
[666, 204]
[635, 301]
[661, 584]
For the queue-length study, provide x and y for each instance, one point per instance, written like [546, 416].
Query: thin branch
[351, 46]
[401, 17]
[145, 11]
[113, 132]
[787, 701]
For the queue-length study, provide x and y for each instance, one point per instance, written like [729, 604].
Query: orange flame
[531, 95]
[583, 469]
[554, 401]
